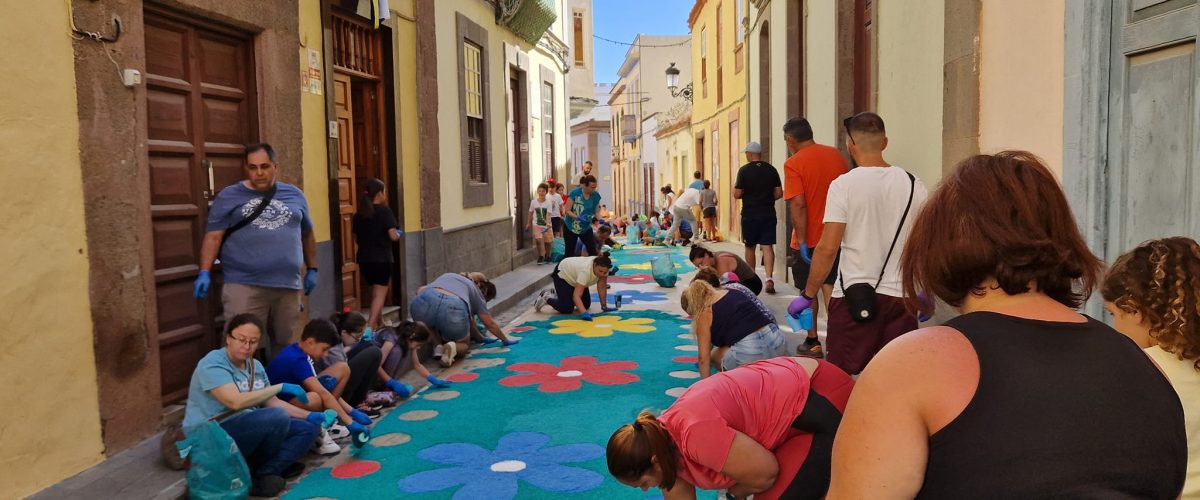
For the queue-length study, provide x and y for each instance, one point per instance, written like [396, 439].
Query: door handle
[210, 191]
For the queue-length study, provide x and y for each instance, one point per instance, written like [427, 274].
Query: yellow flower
[636, 266]
[602, 326]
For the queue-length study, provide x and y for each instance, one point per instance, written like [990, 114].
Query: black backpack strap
[253, 215]
[911, 190]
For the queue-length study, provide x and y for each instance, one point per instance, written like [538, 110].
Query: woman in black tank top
[1021, 396]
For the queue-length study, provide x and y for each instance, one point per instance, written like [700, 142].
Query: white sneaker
[324, 445]
[338, 432]
[437, 351]
[539, 302]
[449, 352]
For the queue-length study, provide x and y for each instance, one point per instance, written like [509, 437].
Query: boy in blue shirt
[294, 365]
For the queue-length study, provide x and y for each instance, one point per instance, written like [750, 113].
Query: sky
[622, 20]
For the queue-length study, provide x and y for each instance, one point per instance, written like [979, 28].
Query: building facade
[641, 91]
[719, 115]
[674, 137]
[591, 141]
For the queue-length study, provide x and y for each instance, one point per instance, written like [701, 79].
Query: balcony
[528, 19]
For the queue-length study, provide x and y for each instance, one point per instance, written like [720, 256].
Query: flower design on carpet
[602, 326]
[571, 374]
[518, 457]
[635, 279]
[632, 296]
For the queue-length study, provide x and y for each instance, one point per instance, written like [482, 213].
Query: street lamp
[673, 84]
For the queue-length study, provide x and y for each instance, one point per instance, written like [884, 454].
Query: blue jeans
[765, 343]
[270, 439]
[446, 314]
[564, 300]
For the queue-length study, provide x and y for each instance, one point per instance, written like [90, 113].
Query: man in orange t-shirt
[807, 175]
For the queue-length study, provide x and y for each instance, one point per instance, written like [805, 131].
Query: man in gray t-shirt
[260, 260]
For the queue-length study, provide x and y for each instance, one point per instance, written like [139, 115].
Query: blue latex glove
[200, 289]
[586, 316]
[584, 219]
[360, 417]
[804, 253]
[295, 391]
[437, 382]
[357, 428]
[799, 304]
[368, 335]
[323, 420]
[608, 309]
[402, 390]
[328, 381]
[310, 281]
[490, 340]
[511, 341]
[399, 232]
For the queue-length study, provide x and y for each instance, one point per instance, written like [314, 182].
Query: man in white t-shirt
[868, 215]
[681, 210]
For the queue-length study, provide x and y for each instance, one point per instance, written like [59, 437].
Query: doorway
[518, 129]
[201, 111]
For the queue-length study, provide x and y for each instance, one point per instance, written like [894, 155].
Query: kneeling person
[732, 327]
[573, 276]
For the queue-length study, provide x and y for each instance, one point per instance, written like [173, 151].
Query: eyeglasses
[245, 342]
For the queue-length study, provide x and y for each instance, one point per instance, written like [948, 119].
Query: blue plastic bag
[631, 235]
[663, 269]
[558, 249]
[802, 322]
[217, 468]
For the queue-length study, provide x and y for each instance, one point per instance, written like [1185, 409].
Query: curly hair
[1161, 281]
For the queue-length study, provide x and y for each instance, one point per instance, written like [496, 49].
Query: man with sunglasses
[869, 212]
[807, 176]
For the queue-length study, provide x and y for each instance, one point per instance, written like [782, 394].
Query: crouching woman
[232, 388]
[732, 327]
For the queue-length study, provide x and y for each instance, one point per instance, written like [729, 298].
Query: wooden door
[200, 111]
[343, 105]
[518, 123]
[735, 157]
[1153, 180]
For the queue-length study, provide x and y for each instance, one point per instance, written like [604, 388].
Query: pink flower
[636, 279]
[572, 373]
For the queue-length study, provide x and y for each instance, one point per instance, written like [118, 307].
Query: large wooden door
[200, 111]
[347, 198]
[519, 128]
[1153, 181]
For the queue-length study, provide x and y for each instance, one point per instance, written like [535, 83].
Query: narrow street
[531, 421]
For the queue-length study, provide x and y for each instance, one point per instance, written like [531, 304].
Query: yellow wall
[449, 113]
[407, 141]
[1021, 78]
[312, 118]
[706, 110]
[52, 430]
[911, 57]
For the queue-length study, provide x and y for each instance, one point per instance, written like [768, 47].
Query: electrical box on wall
[131, 78]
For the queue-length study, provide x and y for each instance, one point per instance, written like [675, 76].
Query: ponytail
[414, 331]
[633, 448]
[366, 200]
[603, 260]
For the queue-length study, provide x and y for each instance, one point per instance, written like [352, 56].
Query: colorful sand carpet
[531, 421]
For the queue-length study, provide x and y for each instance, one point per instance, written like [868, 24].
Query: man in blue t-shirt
[579, 211]
[294, 365]
[260, 258]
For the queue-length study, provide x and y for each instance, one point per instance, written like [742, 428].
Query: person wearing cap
[758, 186]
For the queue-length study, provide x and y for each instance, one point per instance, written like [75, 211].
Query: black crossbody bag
[250, 218]
[860, 297]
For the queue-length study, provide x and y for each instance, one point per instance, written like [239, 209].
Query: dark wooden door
[519, 117]
[347, 198]
[200, 111]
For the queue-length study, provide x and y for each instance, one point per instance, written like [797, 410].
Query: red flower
[572, 373]
[636, 279]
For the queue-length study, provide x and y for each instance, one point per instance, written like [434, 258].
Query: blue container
[801, 323]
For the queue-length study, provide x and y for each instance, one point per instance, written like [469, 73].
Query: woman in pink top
[727, 432]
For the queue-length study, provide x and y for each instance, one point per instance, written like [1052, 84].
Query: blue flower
[631, 296]
[519, 456]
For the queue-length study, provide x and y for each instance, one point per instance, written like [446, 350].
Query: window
[579, 39]
[548, 127]
[473, 122]
[704, 60]
[718, 39]
[738, 13]
[473, 79]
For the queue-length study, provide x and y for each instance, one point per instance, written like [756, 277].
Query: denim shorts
[447, 314]
[765, 343]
